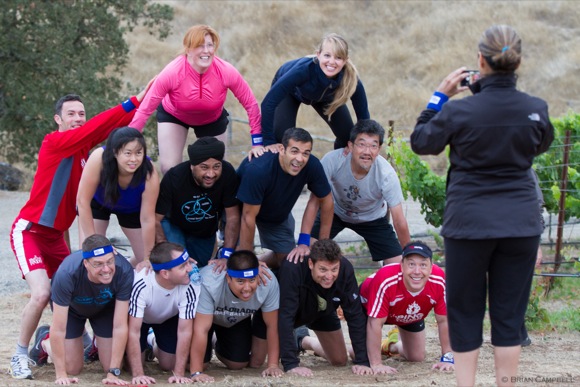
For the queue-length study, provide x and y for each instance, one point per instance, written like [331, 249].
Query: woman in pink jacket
[191, 92]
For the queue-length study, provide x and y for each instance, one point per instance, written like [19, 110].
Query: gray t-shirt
[216, 298]
[364, 200]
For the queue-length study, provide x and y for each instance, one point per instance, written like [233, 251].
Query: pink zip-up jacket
[197, 99]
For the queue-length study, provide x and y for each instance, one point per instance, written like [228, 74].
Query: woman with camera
[491, 239]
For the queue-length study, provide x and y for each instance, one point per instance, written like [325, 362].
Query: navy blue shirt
[263, 182]
[304, 80]
[71, 286]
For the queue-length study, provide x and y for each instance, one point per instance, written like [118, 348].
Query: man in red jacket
[37, 235]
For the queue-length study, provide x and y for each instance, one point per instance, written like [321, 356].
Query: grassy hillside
[402, 49]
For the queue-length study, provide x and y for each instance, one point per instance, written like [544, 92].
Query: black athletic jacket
[299, 304]
[494, 136]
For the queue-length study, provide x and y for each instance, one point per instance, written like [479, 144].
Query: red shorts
[37, 247]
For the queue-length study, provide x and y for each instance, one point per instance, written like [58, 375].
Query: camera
[471, 78]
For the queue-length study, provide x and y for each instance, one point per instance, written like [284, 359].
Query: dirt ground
[551, 360]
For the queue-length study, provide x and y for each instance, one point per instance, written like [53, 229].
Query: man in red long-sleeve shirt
[37, 235]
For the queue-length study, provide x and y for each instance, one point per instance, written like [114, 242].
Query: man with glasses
[364, 188]
[92, 284]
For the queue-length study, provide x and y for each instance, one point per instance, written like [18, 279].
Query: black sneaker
[526, 342]
[299, 334]
[36, 353]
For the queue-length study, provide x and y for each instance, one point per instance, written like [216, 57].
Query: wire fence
[558, 235]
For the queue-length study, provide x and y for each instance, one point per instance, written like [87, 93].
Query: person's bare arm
[184, 335]
[147, 215]
[443, 330]
[134, 352]
[248, 226]
[271, 321]
[57, 339]
[400, 224]
[374, 331]
[89, 182]
[201, 326]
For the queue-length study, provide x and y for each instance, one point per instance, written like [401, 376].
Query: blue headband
[247, 273]
[98, 252]
[184, 257]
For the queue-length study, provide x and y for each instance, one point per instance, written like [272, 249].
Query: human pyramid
[182, 298]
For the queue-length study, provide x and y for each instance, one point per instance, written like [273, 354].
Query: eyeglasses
[362, 145]
[100, 265]
[208, 46]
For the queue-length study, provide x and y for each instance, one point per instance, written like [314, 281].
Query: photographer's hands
[450, 85]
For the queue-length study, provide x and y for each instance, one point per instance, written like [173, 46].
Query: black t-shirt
[194, 209]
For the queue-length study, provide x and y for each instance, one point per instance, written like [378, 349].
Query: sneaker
[149, 355]
[299, 334]
[36, 353]
[392, 338]
[526, 342]
[91, 352]
[20, 367]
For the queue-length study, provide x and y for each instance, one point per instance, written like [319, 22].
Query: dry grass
[402, 49]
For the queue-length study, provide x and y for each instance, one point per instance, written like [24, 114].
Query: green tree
[49, 48]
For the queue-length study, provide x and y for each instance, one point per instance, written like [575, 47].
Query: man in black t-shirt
[193, 196]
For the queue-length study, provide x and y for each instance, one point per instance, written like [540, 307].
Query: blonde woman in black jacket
[491, 239]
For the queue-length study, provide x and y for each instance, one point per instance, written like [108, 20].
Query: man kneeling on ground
[403, 294]
[164, 300]
[242, 314]
[311, 291]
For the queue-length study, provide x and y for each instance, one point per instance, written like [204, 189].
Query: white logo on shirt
[534, 117]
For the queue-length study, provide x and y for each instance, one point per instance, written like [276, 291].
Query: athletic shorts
[378, 234]
[37, 247]
[233, 343]
[327, 323]
[277, 237]
[165, 334]
[415, 327]
[495, 272]
[212, 129]
[130, 220]
[102, 323]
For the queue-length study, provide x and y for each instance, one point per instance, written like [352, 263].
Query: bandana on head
[99, 251]
[206, 148]
[184, 257]
[247, 273]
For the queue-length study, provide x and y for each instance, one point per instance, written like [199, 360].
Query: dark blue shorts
[165, 334]
[131, 220]
[101, 323]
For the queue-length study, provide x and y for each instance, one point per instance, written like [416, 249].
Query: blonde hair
[501, 47]
[195, 36]
[347, 87]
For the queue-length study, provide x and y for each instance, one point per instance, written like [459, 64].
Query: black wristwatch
[115, 371]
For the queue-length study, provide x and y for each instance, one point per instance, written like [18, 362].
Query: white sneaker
[19, 367]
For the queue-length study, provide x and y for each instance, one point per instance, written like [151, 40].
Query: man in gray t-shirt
[243, 315]
[364, 188]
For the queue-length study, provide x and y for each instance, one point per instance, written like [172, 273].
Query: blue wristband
[448, 358]
[225, 253]
[257, 139]
[128, 105]
[304, 239]
[437, 100]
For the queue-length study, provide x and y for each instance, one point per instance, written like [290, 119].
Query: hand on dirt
[302, 371]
